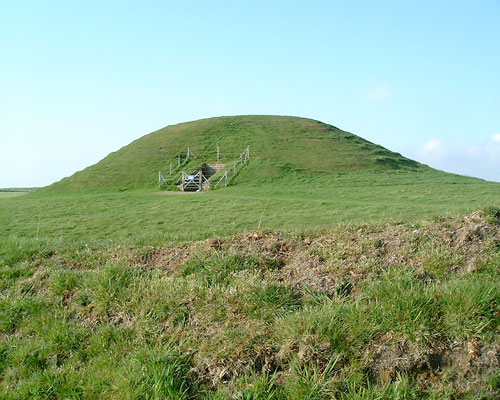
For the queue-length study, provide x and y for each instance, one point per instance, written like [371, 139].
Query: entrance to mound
[200, 180]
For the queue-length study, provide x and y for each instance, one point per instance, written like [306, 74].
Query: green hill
[302, 175]
[278, 145]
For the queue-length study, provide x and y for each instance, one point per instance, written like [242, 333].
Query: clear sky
[79, 79]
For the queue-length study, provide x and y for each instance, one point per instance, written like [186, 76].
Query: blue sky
[79, 79]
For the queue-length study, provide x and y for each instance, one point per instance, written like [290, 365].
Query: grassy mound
[302, 175]
[373, 311]
[278, 145]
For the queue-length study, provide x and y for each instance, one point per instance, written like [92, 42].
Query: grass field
[294, 202]
[329, 268]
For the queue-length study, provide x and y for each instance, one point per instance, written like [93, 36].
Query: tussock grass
[470, 306]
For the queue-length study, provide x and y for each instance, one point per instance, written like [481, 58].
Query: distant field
[10, 194]
[295, 202]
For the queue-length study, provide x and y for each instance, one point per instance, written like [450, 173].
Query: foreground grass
[371, 312]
